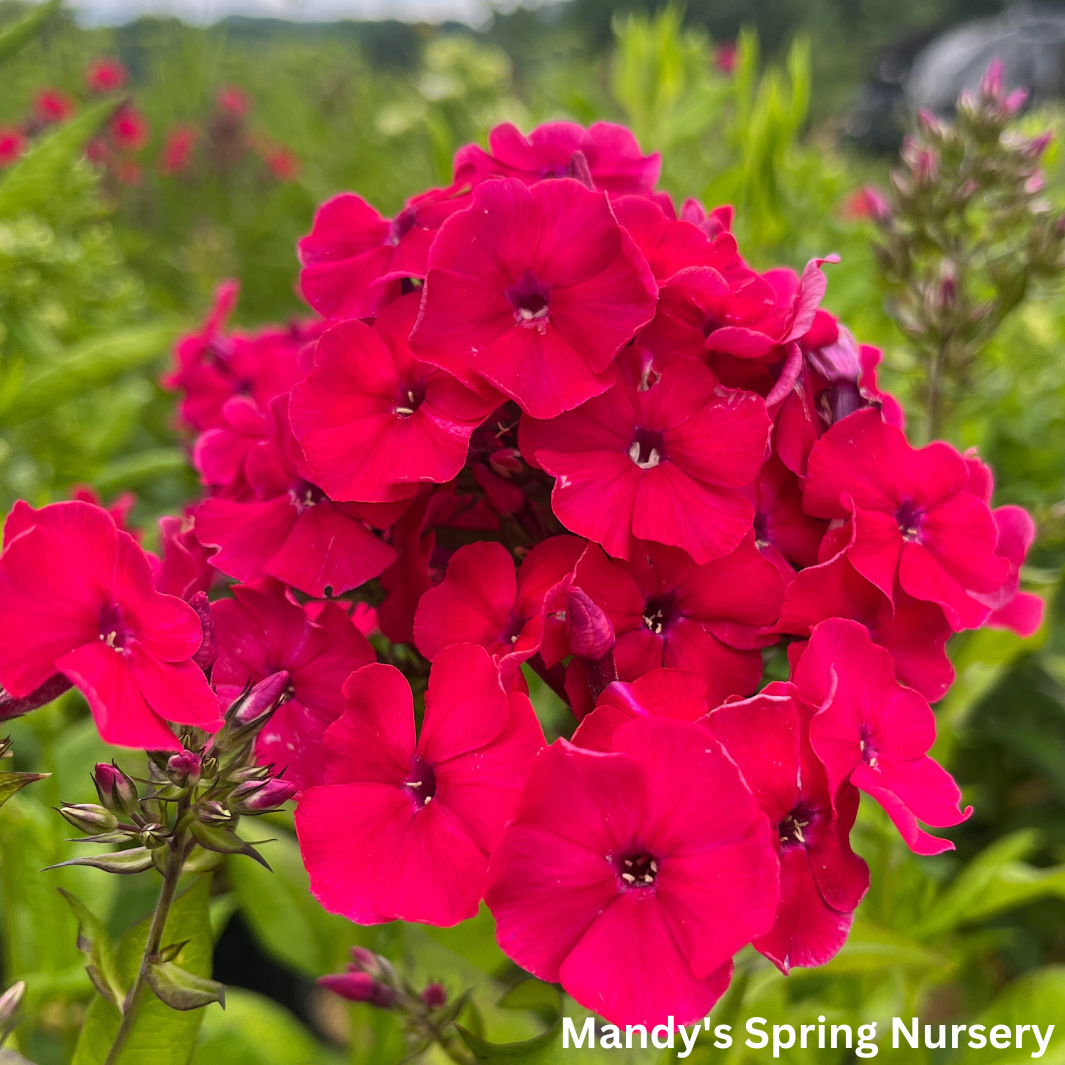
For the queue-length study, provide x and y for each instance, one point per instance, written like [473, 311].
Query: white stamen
[628, 878]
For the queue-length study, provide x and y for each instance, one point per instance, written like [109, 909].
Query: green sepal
[182, 990]
[224, 840]
[13, 783]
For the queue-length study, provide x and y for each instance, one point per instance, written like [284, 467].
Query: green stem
[931, 424]
[175, 861]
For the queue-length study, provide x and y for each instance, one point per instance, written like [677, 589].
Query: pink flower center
[421, 782]
[908, 517]
[659, 613]
[306, 495]
[513, 630]
[865, 745]
[400, 226]
[410, 399]
[793, 830]
[530, 299]
[637, 870]
[113, 628]
[648, 448]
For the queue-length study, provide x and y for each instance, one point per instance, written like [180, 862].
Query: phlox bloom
[405, 823]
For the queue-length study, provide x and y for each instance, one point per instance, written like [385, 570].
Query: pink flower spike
[262, 630]
[653, 858]
[870, 730]
[532, 292]
[403, 826]
[371, 416]
[77, 598]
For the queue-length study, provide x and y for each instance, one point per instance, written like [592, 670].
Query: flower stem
[175, 861]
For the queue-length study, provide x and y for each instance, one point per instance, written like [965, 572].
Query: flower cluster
[548, 424]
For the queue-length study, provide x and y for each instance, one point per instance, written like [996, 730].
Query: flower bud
[991, 83]
[434, 996]
[588, 629]
[116, 790]
[153, 836]
[359, 987]
[89, 818]
[506, 461]
[214, 813]
[261, 701]
[254, 797]
[208, 651]
[184, 768]
[10, 1001]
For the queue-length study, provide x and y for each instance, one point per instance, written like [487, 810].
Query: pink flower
[821, 879]
[870, 730]
[373, 420]
[233, 100]
[51, 105]
[12, 146]
[176, 156]
[915, 633]
[912, 515]
[77, 598]
[662, 456]
[480, 600]
[783, 531]
[404, 825]
[185, 567]
[354, 259]
[105, 74]
[533, 291]
[653, 859]
[282, 162]
[609, 156]
[263, 630]
[129, 129]
[290, 529]
[668, 611]
[724, 57]
[868, 202]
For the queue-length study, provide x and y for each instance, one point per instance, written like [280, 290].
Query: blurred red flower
[51, 105]
[177, 151]
[105, 74]
[12, 145]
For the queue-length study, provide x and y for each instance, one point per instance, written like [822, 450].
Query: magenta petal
[247, 535]
[176, 691]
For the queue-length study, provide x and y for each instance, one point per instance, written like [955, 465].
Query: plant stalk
[175, 862]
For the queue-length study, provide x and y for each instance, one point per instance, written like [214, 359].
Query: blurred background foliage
[101, 267]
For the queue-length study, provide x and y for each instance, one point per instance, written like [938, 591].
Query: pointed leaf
[224, 840]
[19, 34]
[13, 783]
[526, 1050]
[95, 944]
[135, 860]
[184, 991]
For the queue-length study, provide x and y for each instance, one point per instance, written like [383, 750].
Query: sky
[113, 12]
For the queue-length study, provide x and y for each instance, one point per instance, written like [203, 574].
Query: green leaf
[1037, 997]
[145, 467]
[161, 1035]
[536, 996]
[13, 783]
[526, 1050]
[182, 990]
[871, 949]
[256, 1031]
[18, 34]
[30, 182]
[88, 365]
[95, 944]
[283, 915]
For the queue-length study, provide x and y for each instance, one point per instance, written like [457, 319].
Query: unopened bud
[250, 772]
[434, 996]
[991, 83]
[947, 293]
[1014, 102]
[359, 987]
[10, 1001]
[929, 123]
[208, 651]
[506, 461]
[153, 836]
[261, 701]
[184, 768]
[580, 171]
[925, 167]
[89, 818]
[254, 797]
[214, 813]
[116, 790]
[588, 629]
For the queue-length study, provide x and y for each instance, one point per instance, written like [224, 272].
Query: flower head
[129, 129]
[106, 74]
[52, 105]
[12, 145]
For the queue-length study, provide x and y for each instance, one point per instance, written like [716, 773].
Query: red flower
[290, 529]
[481, 601]
[913, 632]
[354, 259]
[533, 291]
[866, 202]
[129, 129]
[912, 515]
[128, 172]
[875, 733]
[12, 145]
[233, 100]
[263, 630]
[668, 611]
[821, 879]
[373, 421]
[283, 163]
[662, 456]
[724, 56]
[606, 153]
[105, 74]
[51, 105]
[404, 825]
[653, 860]
[185, 567]
[176, 155]
[77, 598]
[783, 531]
